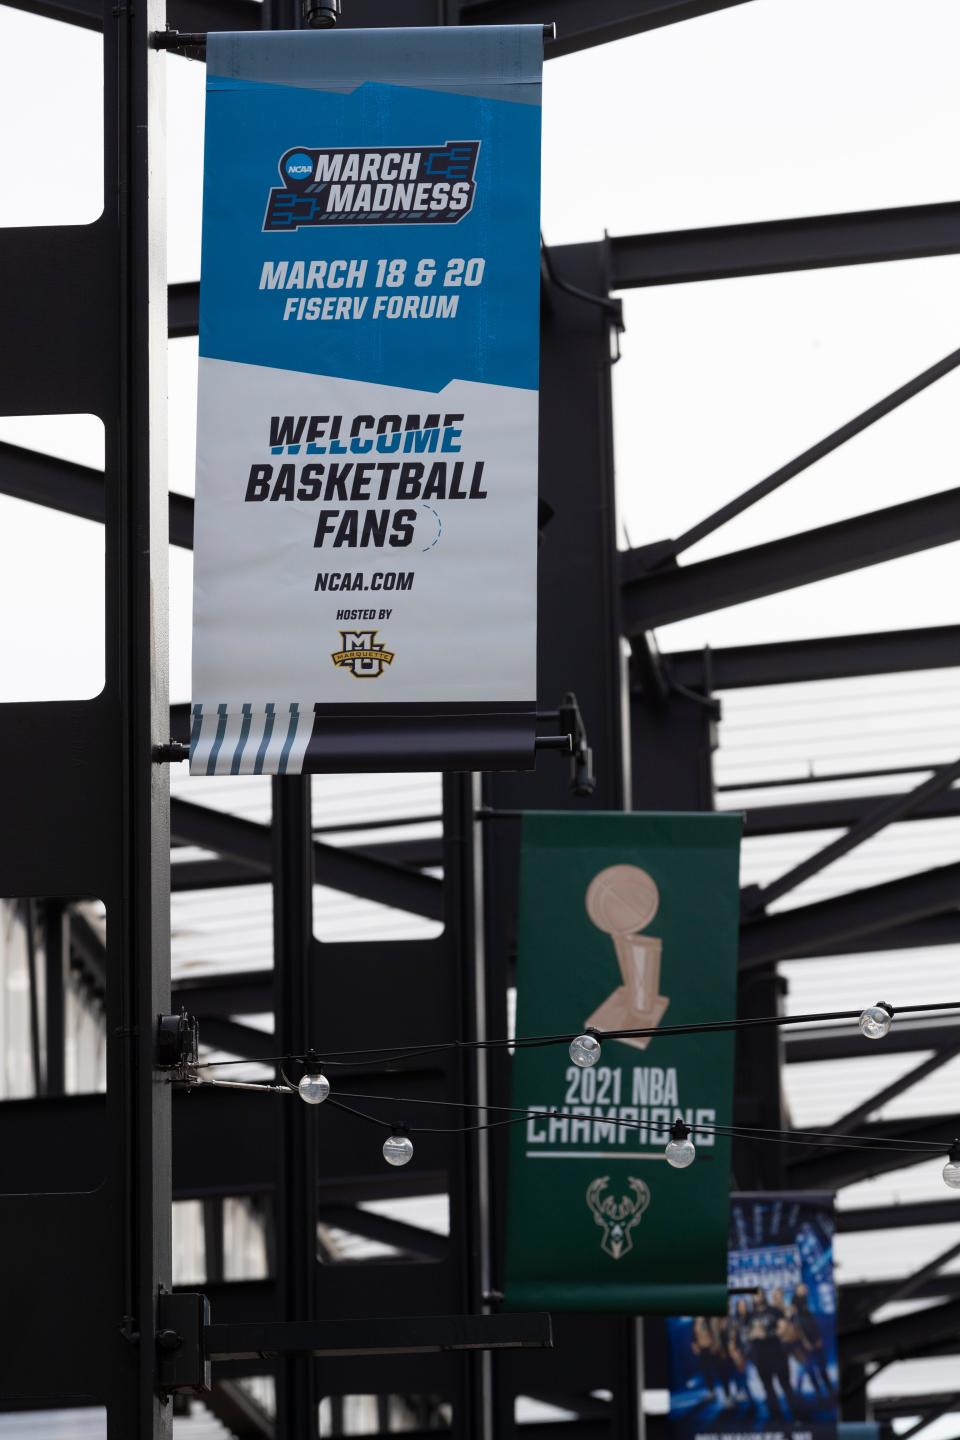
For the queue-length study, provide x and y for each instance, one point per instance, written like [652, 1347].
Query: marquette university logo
[362, 654]
[409, 184]
[617, 1217]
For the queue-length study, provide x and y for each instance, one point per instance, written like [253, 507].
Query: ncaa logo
[298, 166]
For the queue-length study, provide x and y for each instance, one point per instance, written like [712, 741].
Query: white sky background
[777, 107]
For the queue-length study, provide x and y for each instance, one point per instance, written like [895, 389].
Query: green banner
[626, 922]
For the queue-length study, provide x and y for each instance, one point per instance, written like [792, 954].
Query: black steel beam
[911, 1285]
[297, 1139]
[390, 1335]
[669, 550]
[181, 14]
[215, 874]
[876, 818]
[836, 657]
[45, 480]
[659, 597]
[235, 1302]
[88, 953]
[580, 26]
[851, 1119]
[887, 1407]
[712, 253]
[839, 1167]
[250, 844]
[840, 814]
[180, 722]
[866, 1295]
[246, 992]
[236, 1409]
[56, 953]
[904, 1335]
[862, 913]
[188, 875]
[926, 1420]
[845, 1043]
[237, 1039]
[773, 246]
[775, 782]
[900, 1216]
[75, 489]
[183, 309]
[932, 930]
[410, 1238]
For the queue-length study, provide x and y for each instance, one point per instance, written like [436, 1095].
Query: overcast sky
[777, 107]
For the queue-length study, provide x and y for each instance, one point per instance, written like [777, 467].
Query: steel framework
[85, 1217]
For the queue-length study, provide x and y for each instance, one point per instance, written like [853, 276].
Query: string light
[314, 1087]
[398, 1148]
[585, 1051]
[951, 1171]
[876, 1020]
[680, 1151]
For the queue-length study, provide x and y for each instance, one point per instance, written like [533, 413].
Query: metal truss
[94, 823]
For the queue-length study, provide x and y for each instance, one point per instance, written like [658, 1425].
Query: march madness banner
[626, 922]
[366, 509]
[769, 1367]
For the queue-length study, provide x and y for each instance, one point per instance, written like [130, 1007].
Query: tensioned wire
[381, 1055]
[808, 1137]
[811, 1138]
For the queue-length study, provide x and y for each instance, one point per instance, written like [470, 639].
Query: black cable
[381, 1056]
[604, 302]
[814, 1136]
[817, 1140]
[427, 1129]
[835, 1142]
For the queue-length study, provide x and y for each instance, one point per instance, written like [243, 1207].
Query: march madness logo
[406, 185]
[362, 654]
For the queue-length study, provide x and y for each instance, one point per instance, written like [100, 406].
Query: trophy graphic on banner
[620, 901]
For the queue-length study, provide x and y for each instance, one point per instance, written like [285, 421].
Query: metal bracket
[384, 1335]
[178, 1045]
[572, 740]
[181, 1358]
[171, 753]
[317, 15]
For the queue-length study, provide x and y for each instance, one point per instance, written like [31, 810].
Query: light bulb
[314, 1087]
[585, 1051]
[951, 1171]
[680, 1151]
[398, 1149]
[876, 1020]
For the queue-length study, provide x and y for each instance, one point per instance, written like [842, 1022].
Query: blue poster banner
[367, 421]
[769, 1368]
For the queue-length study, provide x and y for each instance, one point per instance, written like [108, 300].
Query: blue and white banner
[366, 508]
[769, 1368]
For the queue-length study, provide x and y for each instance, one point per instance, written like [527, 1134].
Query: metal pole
[33, 983]
[295, 1197]
[56, 948]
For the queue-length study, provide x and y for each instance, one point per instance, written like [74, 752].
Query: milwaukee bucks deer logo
[617, 1217]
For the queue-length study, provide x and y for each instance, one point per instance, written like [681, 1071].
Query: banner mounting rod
[187, 40]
